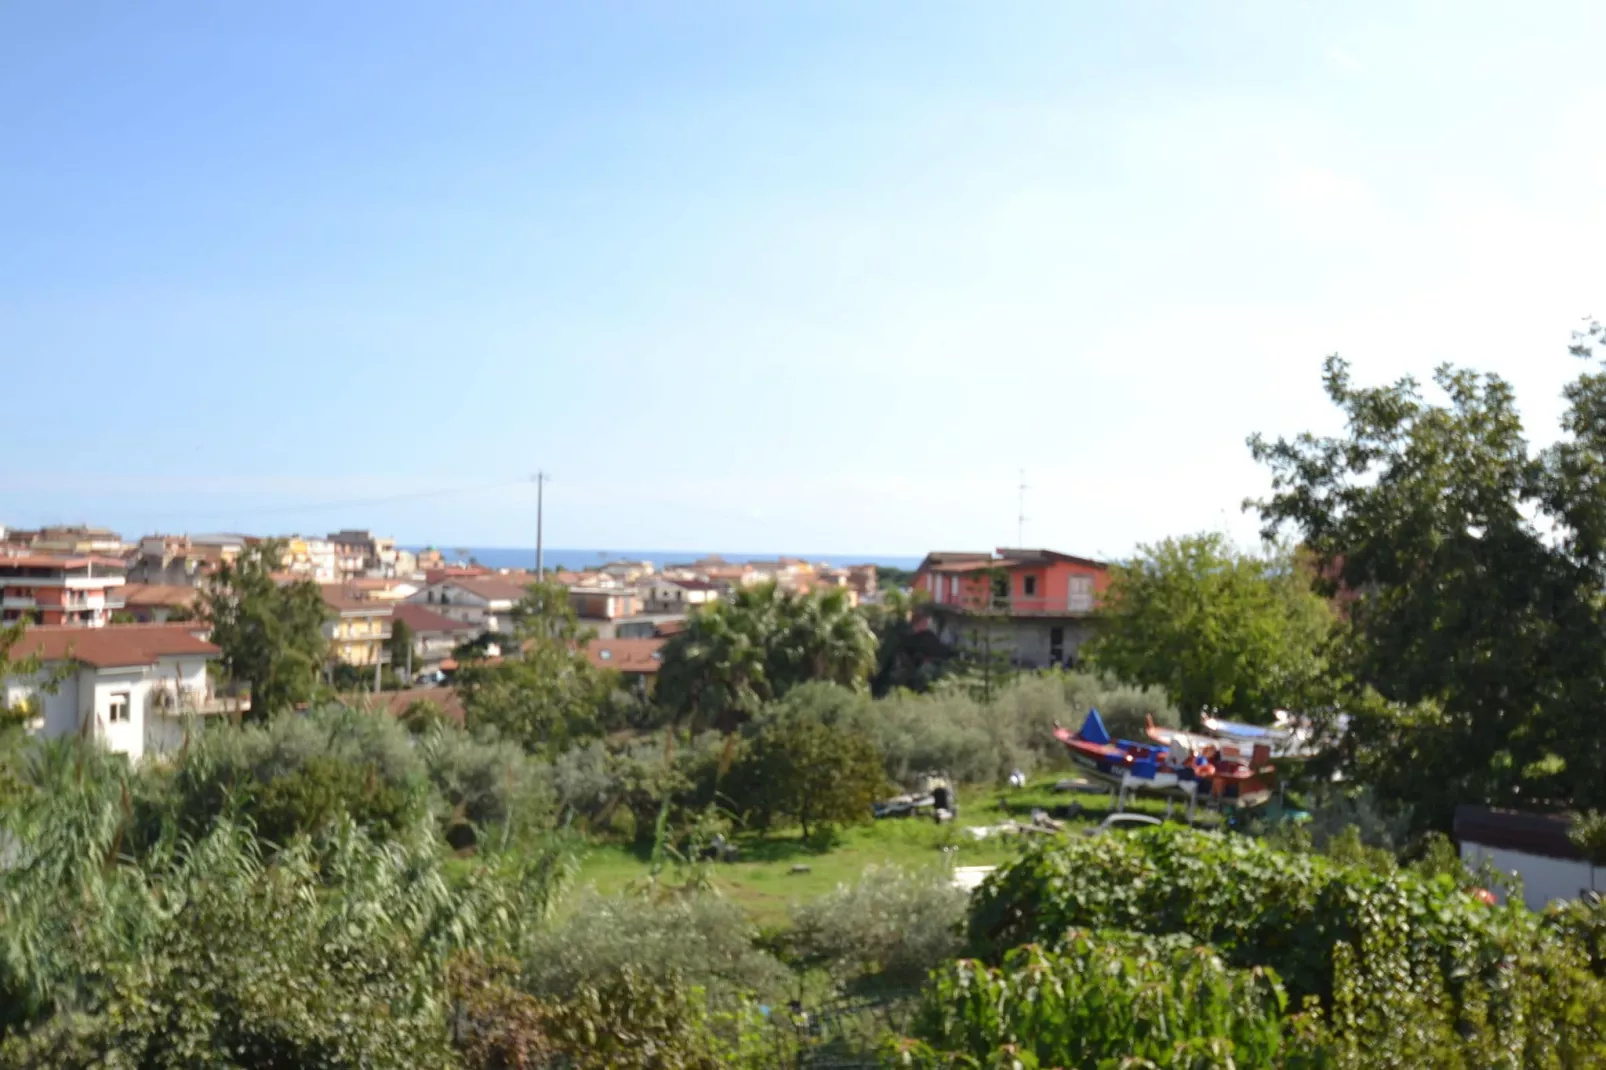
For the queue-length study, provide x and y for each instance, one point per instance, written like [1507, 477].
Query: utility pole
[1020, 514]
[540, 565]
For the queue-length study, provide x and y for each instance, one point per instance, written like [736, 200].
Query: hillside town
[128, 614]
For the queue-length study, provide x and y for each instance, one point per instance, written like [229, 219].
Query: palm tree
[735, 656]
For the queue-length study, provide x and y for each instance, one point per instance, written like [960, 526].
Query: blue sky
[790, 277]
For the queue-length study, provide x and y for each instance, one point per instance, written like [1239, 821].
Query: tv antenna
[1020, 513]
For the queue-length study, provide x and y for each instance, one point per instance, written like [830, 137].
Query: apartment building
[78, 591]
[1038, 605]
[487, 602]
[358, 628]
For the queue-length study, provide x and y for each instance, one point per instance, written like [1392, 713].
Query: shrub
[485, 786]
[293, 774]
[1380, 952]
[623, 1021]
[948, 731]
[891, 928]
[697, 936]
[819, 774]
[1103, 999]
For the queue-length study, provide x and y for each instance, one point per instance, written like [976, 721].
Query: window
[117, 708]
[1028, 585]
[605, 655]
[1081, 594]
[1001, 586]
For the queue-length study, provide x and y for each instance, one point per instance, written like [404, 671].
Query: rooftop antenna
[1020, 515]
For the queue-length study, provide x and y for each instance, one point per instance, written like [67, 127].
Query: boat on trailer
[1176, 763]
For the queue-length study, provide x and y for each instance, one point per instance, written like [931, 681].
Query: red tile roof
[626, 655]
[113, 645]
[61, 561]
[347, 600]
[422, 619]
[159, 594]
[490, 588]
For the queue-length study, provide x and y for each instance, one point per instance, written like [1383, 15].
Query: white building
[128, 686]
[664, 595]
[1535, 846]
[484, 601]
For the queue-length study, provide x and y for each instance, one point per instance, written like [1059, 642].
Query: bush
[700, 937]
[1382, 953]
[949, 732]
[293, 775]
[818, 774]
[891, 928]
[623, 1021]
[1106, 999]
[485, 786]
[597, 782]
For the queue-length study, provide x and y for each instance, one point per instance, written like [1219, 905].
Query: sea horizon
[573, 559]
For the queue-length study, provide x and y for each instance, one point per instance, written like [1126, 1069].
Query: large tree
[543, 692]
[1472, 568]
[736, 655]
[1215, 626]
[803, 769]
[271, 633]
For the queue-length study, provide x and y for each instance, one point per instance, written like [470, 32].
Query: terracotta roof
[695, 585]
[670, 627]
[421, 619]
[626, 655]
[159, 594]
[347, 600]
[396, 702]
[490, 588]
[32, 560]
[113, 645]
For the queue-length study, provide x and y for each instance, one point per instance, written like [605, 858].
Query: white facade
[135, 710]
[1544, 879]
[668, 596]
[461, 603]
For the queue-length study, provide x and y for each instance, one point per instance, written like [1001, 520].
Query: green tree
[400, 645]
[271, 634]
[1472, 569]
[735, 656]
[544, 692]
[809, 771]
[1214, 626]
[906, 657]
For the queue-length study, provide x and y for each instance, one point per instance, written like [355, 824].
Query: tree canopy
[271, 634]
[736, 655]
[543, 692]
[1472, 569]
[1215, 626]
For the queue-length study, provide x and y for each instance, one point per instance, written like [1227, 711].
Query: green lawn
[763, 880]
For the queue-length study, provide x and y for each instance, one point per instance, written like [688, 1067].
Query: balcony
[1078, 605]
[173, 700]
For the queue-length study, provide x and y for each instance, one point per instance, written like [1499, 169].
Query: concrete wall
[1543, 879]
[85, 698]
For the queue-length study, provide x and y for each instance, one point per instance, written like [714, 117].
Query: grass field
[763, 880]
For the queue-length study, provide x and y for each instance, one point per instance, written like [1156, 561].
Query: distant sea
[574, 560]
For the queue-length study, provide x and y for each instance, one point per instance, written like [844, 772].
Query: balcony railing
[174, 701]
[1075, 605]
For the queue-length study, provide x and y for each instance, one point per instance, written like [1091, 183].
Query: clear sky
[802, 276]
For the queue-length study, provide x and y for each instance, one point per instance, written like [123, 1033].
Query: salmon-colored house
[1038, 603]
